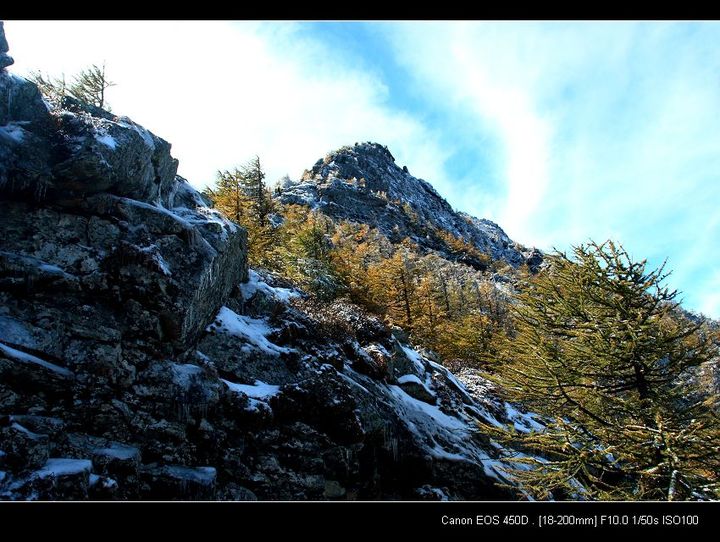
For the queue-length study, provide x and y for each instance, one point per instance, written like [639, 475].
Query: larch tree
[89, 86]
[601, 350]
[228, 194]
[253, 182]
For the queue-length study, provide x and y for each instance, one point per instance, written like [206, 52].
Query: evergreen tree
[253, 182]
[306, 252]
[89, 86]
[393, 282]
[228, 195]
[53, 88]
[600, 348]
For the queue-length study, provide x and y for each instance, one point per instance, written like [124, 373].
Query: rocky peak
[372, 167]
[5, 59]
[362, 183]
[368, 161]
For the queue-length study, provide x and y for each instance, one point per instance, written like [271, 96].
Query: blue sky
[558, 131]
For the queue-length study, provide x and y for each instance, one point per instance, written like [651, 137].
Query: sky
[560, 132]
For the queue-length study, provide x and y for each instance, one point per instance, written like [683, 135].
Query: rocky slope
[363, 184]
[141, 359]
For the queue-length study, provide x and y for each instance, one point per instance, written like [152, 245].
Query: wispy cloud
[220, 92]
[605, 130]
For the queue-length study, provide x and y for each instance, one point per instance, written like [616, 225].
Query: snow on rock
[102, 481]
[256, 284]
[23, 357]
[145, 134]
[258, 390]
[416, 358]
[57, 466]
[34, 265]
[253, 330]
[12, 131]
[199, 475]
[185, 373]
[120, 451]
[523, 421]
[363, 183]
[406, 379]
[258, 393]
[107, 140]
[419, 410]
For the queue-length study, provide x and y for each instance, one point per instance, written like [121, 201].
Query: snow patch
[57, 466]
[107, 140]
[407, 379]
[253, 330]
[259, 390]
[22, 357]
[13, 131]
[256, 284]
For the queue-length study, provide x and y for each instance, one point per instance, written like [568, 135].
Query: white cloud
[220, 92]
[606, 130]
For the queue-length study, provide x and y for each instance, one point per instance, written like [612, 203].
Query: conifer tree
[228, 195]
[394, 285]
[89, 86]
[53, 88]
[252, 178]
[600, 349]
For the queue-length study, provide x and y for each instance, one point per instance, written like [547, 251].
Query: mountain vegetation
[87, 86]
[594, 342]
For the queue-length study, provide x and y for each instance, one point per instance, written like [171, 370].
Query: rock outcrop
[5, 59]
[140, 359]
[363, 184]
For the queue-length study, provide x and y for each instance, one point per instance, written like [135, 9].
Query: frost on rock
[107, 140]
[13, 132]
[253, 330]
[415, 357]
[258, 390]
[57, 467]
[22, 357]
